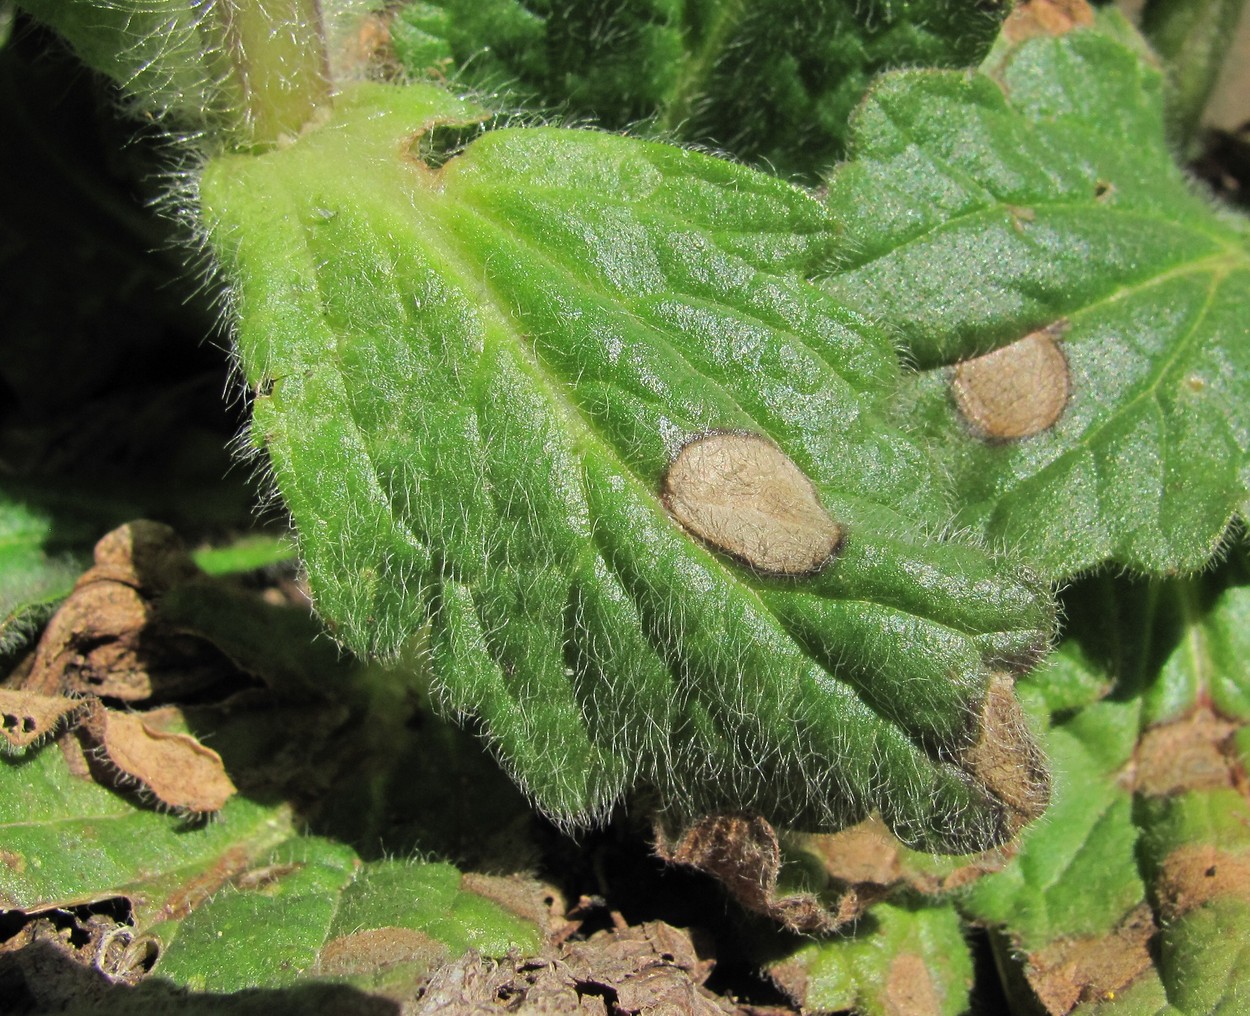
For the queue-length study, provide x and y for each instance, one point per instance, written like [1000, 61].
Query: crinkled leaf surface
[470, 381]
[978, 209]
[772, 80]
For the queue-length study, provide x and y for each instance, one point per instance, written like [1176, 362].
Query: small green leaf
[978, 210]
[904, 959]
[1075, 875]
[1194, 38]
[1197, 853]
[471, 382]
[1178, 643]
[31, 580]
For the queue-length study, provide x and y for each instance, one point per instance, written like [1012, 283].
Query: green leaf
[255, 72]
[979, 209]
[31, 580]
[771, 81]
[1197, 852]
[1178, 643]
[1194, 38]
[246, 900]
[471, 383]
[1075, 875]
[903, 959]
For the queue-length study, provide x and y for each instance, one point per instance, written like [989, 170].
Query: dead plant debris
[743, 853]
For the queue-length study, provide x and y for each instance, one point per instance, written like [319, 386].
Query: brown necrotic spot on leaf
[909, 988]
[179, 771]
[1016, 391]
[1035, 18]
[1070, 971]
[743, 495]
[376, 949]
[1189, 754]
[1006, 760]
[26, 717]
[1196, 874]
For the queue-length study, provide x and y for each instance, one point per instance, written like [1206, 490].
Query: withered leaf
[26, 717]
[743, 853]
[175, 768]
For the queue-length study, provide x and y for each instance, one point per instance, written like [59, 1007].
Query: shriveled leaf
[174, 767]
[743, 853]
[471, 383]
[910, 961]
[27, 717]
[771, 80]
[1042, 195]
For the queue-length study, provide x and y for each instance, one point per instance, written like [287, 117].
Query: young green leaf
[472, 383]
[910, 959]
[980, 210]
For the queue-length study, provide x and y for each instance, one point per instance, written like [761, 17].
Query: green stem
[280, 71]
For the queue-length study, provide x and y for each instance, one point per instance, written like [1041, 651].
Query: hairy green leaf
[471, 382]
[981, 209]
[768, 80]
[1075, 875]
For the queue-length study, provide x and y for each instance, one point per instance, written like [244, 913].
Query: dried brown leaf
[179, 771]
[743, 853]
[27, 717]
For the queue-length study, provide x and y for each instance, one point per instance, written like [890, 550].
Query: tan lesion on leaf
[1197, 874]
[1191, 753]
[1070, 971]
[1034, 18]
[1006, 760]
[1016, 391]
[742, 495]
